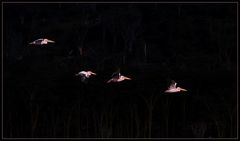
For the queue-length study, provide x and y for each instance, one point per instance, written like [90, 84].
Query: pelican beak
[127, 78]
[183, 89]
[51, 41]
[94, 73]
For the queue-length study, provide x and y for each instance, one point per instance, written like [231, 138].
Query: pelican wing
[172, 85]
[116, 73]
[81, 73]
[117, 76]
[167, 91]
[109, 81]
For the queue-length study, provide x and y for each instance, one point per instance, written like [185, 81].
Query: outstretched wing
[116, 73]
[110, 80]
[81, 73]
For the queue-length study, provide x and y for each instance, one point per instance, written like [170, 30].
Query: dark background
[194, 44]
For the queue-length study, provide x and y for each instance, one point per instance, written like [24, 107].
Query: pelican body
[118, 78]
[85, 75]
[173, 88]
[42, 42]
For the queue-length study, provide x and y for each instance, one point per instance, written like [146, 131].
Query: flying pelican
[42, 42]
[118, 78]
[173, 89]
[85, 75]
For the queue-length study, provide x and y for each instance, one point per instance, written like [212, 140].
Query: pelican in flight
[173, 89]
[85, 75]
[118, 78]
[41, 42]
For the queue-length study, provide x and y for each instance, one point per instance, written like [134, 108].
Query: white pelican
[173, 89]
[118, 78]
[42, 41]
[85, 75]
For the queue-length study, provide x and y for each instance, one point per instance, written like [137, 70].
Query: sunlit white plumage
[173, 89]
[42, 42]
[85, 75]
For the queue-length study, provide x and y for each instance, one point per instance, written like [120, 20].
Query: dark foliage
[193, 44]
